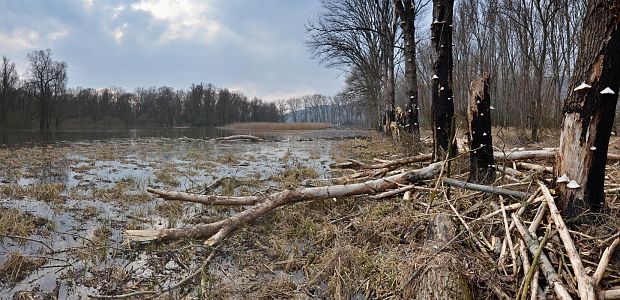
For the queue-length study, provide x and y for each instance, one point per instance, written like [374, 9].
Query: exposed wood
[442, 276]
[481, 162]
[589, 110]
[604, 262]
[442, 104]
[400, 162]
[523, 155]
[239, 138]
[205, 199]
[485, 188]
[216, 231]
[534, 167]
[545, 265]
[584, 282]
[610, 294]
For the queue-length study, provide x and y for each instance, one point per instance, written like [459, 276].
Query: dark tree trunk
[589, 111]
[481, 162]
[406, 12]
[442, 102]
[441, 277]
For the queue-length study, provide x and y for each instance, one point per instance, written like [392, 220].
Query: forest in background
[528, 49]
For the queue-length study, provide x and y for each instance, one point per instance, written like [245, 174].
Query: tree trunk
[442, 104]
[589, 111]
[442, 276]
[481, 162]
[406, 12]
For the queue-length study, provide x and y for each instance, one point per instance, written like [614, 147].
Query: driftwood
[216, 231]
[442, 276]
[239, 138]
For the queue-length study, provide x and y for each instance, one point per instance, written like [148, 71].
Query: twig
[28, 239]
[508, 237]
[602, 265]
[534, 266]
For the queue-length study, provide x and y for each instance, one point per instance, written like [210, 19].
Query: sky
[252, 46]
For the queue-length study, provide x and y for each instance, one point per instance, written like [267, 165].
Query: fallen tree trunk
[216, 231]
[239, 138]
[485, 188]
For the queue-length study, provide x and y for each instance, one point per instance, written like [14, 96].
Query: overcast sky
[253, 46]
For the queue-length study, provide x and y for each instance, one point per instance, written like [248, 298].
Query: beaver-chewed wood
[481, 161]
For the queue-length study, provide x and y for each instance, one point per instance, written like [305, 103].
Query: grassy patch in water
[167, 175]
[48, 192]
[17, 266]
[15, 222]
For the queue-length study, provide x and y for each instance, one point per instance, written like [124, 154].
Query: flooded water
[75, 192]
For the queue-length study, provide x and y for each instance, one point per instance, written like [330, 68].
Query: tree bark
[441, 96]
[406, 12]
[442, 276]
[481, 162]
[589, 111]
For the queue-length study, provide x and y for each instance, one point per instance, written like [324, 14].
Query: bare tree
[8, 87]
[589, 111]
[442, 101]
[406, 10]
[357, 37]
[48, 78]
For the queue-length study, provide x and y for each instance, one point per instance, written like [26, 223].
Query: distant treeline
[42, 98]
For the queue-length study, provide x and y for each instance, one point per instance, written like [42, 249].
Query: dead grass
[16, 267]
[18, 223]
[48, 192]
[167, 175]
[279, 126]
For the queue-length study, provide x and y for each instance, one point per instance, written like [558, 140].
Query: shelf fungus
[582, 86]
[573, 185]
[563, 179]
[607, 91]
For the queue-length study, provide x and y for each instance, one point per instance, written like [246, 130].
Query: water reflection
[11, 137]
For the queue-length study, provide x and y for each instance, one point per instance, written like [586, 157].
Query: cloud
[23, 39]
[184, 19]
[253, 89]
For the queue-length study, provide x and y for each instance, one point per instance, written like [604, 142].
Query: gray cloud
[253, 46]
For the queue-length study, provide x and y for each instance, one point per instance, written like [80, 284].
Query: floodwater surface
[65, 203]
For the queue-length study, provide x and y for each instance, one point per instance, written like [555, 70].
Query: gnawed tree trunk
[589, 111]
[442, 276]
[406, 12]
[442, 102]
[481, 162]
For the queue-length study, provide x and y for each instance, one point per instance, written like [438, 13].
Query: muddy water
[103, 186]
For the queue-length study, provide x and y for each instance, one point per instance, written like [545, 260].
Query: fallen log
[485, 188]
[401, 162]
[216, 231]
[525, 154]
[239, 138]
